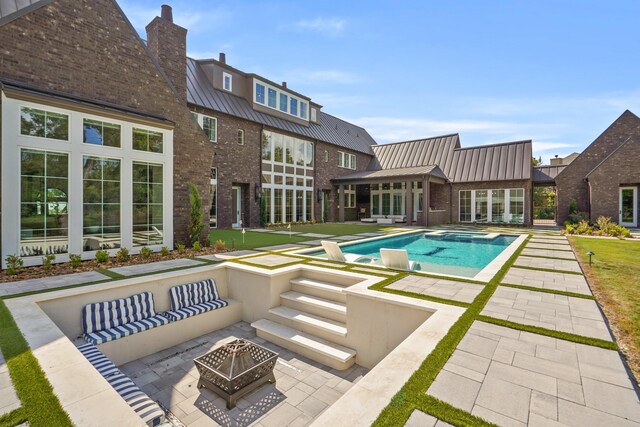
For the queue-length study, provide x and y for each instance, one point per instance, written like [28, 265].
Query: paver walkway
[271, 260]
[47, 283]
[515, 378]
[548, 263]
[547, 280]
[8, 398]
[153, 267]
[439, 288]
[549, 253]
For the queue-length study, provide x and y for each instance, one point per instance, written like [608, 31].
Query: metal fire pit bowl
[236, 369]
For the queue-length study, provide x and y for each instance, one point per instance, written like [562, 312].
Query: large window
[280, 100]
[100, 203]
[388, 199]
[147, 140]
[500, 205]
[465, 206]
[350, 196]
[101, 133]
[277, 205]
[386, 203]
[44, 124]
[210, 127]
[346, 160]
[44, 200]
[375, 204]
[147, 204]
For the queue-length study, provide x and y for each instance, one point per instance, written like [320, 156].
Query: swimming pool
[463, 254]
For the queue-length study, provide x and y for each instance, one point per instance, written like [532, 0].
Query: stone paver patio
[271, 260]
[548, 263]
[280, 247]
[420, 419]
[538, 245]
[515, 378]
[46, 283]
[546, 241]
[547, 280]
[303, 389]
[152, 267]
[557, 312]
[8, 398]
[440, 288]
[549, 253]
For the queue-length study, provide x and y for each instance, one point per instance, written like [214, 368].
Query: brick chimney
[168, 43]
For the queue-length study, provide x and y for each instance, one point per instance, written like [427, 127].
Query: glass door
[235, 206]
[629, 206]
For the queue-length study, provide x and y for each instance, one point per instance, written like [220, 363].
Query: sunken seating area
[194, 298]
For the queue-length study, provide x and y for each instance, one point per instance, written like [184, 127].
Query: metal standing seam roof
[546, 174]
[498, 162]
[422, 152]
[13, 9]
[329, 128]
[432, 170]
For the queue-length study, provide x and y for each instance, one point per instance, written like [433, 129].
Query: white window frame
[346, 160]
[224, 81]
[76, 149]
[507, 205]
[278, 106]
[401, 192]
[350, 190]
[200, 120]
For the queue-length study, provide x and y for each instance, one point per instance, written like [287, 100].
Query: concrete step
[315, 305]
[317, 325]
[318, 349]
[318, 288]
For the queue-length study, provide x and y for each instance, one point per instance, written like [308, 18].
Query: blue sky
[556, 72]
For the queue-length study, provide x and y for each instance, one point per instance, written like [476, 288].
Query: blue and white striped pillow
[104, 315]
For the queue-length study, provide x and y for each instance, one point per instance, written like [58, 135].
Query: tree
[195, 219]
[536, 162]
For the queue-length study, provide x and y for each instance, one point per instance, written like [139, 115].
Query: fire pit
[236, 369]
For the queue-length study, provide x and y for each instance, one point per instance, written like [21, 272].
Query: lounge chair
[398, 259]
[334, 253]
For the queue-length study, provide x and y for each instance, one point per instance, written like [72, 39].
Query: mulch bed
[37, 272]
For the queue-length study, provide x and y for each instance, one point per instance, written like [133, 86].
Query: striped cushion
[105, 315]
[193, 293]
[124, 330]
[98, 360]
[185, 312]
[146, 408]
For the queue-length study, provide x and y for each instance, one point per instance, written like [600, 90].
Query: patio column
[409, 202]
[341, 203]
[425, 201]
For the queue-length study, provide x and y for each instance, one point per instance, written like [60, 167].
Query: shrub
[206, 243]
[47, 261]
[180, 247]
[122, 255]
[263, 211]
[219, 245]
[195, 217]
[576, 217]
[75, 260]
[196, 246]
[102, 256]
[583, 227]
[14, 264]
[164, 251]
[573, 207]
[146, 252]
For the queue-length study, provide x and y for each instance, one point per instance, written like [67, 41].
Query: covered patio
[399, 195]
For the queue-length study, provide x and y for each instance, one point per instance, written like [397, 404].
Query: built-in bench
[194, 298]
[147, 409]
[385, 219]
[109, 320]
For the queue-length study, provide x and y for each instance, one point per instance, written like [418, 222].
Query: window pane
[481, 206]
[240, 137]
[277, 205]
[57, 126]
[386, 204]
[101, 133]
[283, 102]
[289, 141]
[272, 98]
[465, 205]
[375, 204]
[209, 125]
[497, 205]
[259, 93]
[101, 208]
[147, 204]
[309, 156]
[300, 152]
[32, 122]
[303, 110]
[289, 206]
[140, 141]
[43, 203]
[309, 208]
[266, 146]
[299, 205]
[278, 148]
[294, 107]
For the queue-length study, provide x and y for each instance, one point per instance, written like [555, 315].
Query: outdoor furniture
[109, 320]
[236, 369]
[334, 253]
[194, 298]
[398, 259]
[146, 408]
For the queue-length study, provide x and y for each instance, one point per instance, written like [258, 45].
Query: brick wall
[570, 182]
[495, 185]
[88, 49]
[619, 170]
[325, 171]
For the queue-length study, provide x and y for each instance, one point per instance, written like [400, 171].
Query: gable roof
[329, 128]
[497, 162]
[630, 139]
[437, 150]
[13, 9]
[415, 171]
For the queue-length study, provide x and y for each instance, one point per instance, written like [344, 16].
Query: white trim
[507, 205]
[238, 208]
[13, 142]
[224, 77]
[346, 160]
[200, 120]
[635, 206]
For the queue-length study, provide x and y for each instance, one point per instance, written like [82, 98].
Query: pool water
[453, 253]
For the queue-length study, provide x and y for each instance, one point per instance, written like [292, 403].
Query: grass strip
[595, 342]
[206, 261]
[549, 291]
[13, 418]
[110, 273]
[382, 286]
[40, 404]
[548, 270]
[411, 394]
[455, 415]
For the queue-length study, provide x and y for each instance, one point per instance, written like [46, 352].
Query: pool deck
[504, 375]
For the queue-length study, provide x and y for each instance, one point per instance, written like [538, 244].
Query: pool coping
[485, 275]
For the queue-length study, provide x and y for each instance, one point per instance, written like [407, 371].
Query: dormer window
[227, 81]
[272, 98]
[294, 107]
[284, 99]
[303, 110]
[314, 117]
[260, 93]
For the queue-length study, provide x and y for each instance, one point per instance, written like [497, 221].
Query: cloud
[549, 146]
[329, 26]
[320, 77]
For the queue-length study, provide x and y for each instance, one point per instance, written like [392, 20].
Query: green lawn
[253, 239]
[615, 278]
